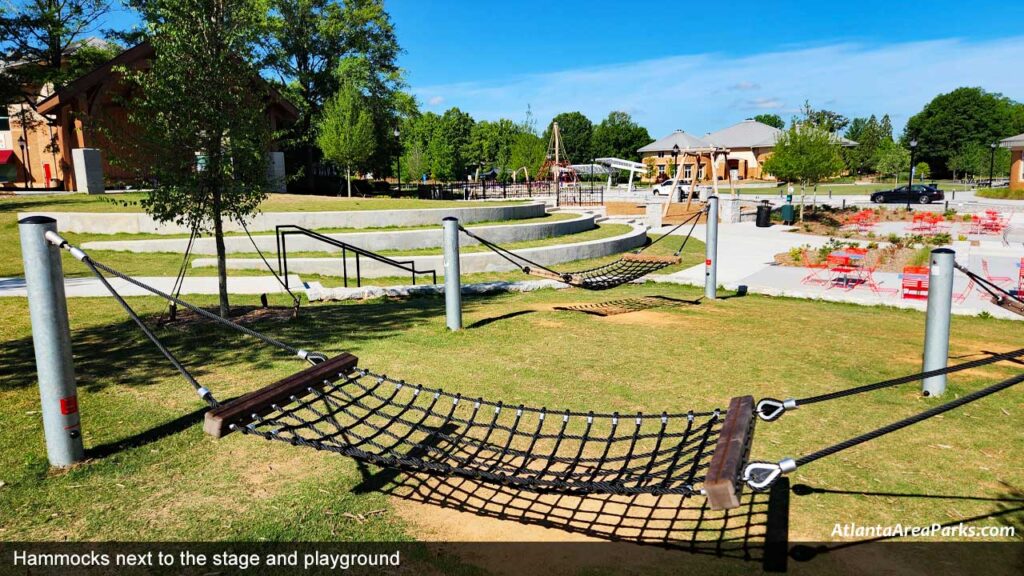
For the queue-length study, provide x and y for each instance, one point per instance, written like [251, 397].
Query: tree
[891, 159]
[773, 120]
[345, 131]
[965, 116]
[490, 144]
[309, 40]
[199, 115]
[577, 131]
[922, 170]
[869, 135]
[618, 136]
[805, 154]
[528, 150]
[826, 120]
[43, 34]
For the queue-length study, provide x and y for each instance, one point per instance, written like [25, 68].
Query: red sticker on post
[69, 405]
[707, 262]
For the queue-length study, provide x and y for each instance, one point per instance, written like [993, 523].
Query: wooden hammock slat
[730, 454]
[668, 260]
[240, 410]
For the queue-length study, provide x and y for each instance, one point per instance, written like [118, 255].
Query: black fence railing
[580, 195]
[567, 194]
[285, 230]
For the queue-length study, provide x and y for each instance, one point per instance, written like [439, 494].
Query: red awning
[6, 156]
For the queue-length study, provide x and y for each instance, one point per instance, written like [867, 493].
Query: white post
[452, 272]
[51, 338]
[711, 250]
[936, 329]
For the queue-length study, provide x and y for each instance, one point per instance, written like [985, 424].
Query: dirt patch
[648, 318]
[239, 315]
[884, 259]
[461, 510]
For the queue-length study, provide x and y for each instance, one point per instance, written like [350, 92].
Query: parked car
[917, 193]
[666, 187]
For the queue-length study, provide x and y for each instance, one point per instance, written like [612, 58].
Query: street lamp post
[675, 164]
[25, 158]
[991, 163]
[397, 134]
[910, 181]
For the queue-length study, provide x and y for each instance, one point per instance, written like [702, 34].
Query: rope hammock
[335, 405]
[355, 412]
[628, 268]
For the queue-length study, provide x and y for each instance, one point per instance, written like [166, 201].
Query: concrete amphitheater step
[373, 240]
[474, 262]
[141, 223]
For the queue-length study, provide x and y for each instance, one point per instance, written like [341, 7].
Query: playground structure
[556, 165]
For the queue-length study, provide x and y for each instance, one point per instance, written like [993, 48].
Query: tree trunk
[348, 180]
[222, 267]
[310, 180]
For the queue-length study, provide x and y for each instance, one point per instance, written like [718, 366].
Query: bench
[915, 283]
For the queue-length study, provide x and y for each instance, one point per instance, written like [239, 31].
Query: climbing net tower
[556, 164]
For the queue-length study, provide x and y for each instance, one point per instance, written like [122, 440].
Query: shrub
[941, 239]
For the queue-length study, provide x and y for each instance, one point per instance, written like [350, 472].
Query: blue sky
[703, 66]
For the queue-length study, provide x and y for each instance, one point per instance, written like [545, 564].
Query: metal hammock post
[936, 331]
[711, 250]
[51, 338]
[452, 282]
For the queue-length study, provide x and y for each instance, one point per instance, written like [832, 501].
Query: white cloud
[687, 91]
[765, 104]
[435, 101]
[745, 85]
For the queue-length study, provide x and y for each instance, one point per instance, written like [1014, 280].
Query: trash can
[788, 214]
[764, 215]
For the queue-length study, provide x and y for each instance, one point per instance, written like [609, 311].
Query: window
[661, 169]
[5, 120]
[687, 171]
[700, 173]
[661, 154]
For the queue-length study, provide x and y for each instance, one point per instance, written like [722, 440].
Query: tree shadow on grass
[119, 354]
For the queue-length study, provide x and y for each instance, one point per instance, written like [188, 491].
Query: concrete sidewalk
[746, 258]
[91, 287]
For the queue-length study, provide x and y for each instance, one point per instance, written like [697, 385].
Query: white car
[665, 189]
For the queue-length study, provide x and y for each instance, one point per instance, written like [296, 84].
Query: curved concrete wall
[486, 261]
[373, 241]
[140, 223]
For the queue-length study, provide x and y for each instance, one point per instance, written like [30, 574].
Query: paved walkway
[746, 258]
[91, 287]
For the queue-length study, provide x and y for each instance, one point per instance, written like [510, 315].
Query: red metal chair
[814, 276]
[915, 283]
[867, 278]
[990, 277]
[839, 268]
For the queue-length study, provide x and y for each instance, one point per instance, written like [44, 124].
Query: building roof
[746, 134]
[678, 138]
[101, 73]
[1013, 141]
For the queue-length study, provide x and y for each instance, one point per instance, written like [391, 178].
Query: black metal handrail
[285, 230]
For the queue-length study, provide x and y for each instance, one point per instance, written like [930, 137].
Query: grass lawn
[1001, 193]
[163, 264]
[182, 485]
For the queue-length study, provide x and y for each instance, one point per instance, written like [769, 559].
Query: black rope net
[625, 305]
[388, 423]
[613, 274]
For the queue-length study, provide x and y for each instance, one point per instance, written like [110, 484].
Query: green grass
[1001, 193]
[162, 264]
[185, 486]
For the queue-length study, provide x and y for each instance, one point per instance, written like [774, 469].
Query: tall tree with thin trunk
[200, 112]
[345, 133]
[309, 39]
